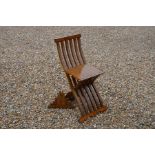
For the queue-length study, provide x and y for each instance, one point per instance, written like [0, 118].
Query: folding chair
[80, 76]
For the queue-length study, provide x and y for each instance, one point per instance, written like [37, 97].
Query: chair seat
[83, 72]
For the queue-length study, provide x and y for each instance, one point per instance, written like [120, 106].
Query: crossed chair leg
[63, 101]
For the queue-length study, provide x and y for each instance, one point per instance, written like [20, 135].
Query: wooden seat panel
[83, 72]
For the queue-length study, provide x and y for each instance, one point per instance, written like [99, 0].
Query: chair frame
[83, 90]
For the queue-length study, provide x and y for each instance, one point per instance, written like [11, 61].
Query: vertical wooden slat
[85, 106]
[82, 109]
[82, 99]
[91, 97]
[83, 112]
[77, 51]
[83, 91]
[63, 62]
[99, 97]
[70, 56]
[65, 55]
[97, 101]
[80, 50]
[73, 52]
[74, 82]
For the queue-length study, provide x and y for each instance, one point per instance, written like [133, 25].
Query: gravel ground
[31, 76]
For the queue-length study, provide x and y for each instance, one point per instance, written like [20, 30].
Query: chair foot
[62, 101]
[92, 114]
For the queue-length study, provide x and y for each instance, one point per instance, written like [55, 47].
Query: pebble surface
[31, 76]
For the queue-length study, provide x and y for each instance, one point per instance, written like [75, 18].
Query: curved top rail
[67, 38]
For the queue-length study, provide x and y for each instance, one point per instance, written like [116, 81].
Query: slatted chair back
[70, 51]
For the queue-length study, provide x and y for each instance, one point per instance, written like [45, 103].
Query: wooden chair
[80, 76]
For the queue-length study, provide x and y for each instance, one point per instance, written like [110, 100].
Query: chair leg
[89, 97]
[92, 114]
[83, 107]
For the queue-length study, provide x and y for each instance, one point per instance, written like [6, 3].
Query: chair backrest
[70, 51]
